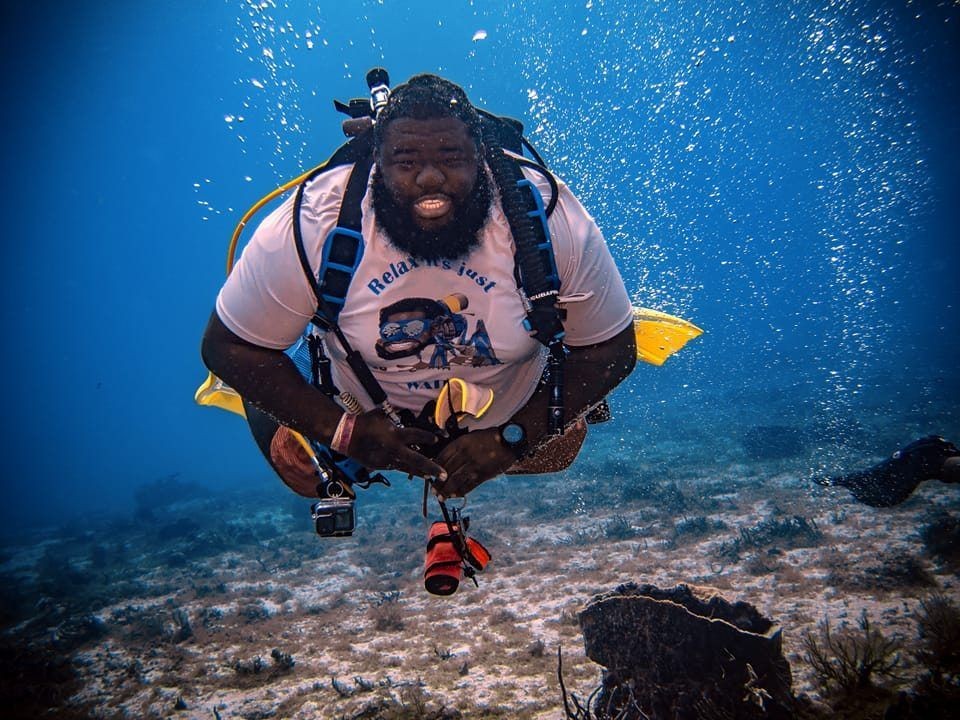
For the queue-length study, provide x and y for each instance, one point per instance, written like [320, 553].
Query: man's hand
[471, 460]
[592, 371]
[378, 444]
[270, 381]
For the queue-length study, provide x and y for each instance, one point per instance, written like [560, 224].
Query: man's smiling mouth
[432, 206]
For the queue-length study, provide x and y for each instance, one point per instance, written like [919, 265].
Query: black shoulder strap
[342, 251]
[343, 247]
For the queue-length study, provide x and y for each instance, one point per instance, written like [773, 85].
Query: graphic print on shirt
[434, 333]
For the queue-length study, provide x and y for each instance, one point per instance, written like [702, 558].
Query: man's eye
[390, 329]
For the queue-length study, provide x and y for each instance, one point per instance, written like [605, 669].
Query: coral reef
[790, 531]
[862, 672]
[688, 653]
[229, 606]
[938, 630]
[851, 663]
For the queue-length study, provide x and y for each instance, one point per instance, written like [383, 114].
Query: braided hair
[424, 97]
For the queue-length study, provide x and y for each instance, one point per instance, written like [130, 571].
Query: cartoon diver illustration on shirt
[408, 326]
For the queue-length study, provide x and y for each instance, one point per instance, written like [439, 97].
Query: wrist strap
[344, 432]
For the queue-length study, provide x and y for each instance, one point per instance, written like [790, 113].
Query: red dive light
[446, 563]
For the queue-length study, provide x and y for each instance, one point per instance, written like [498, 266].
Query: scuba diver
[319, 335]
[432, 201]
[892, 481]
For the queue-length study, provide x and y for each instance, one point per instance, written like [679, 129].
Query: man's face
[430, 194]
[406, 331]
[430, 168]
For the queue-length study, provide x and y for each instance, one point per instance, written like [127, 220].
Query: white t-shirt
[418, 324]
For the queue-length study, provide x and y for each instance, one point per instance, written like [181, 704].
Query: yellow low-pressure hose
[235, 238]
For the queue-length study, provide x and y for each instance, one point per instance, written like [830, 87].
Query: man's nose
[430, 177]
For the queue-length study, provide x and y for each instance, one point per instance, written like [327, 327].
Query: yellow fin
[216, 393]
[660, 335]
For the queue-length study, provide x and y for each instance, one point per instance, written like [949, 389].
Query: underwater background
[783, 173]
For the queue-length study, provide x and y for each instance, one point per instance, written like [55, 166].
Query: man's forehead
[404, 132]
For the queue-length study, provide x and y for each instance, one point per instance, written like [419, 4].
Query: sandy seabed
[209, 608]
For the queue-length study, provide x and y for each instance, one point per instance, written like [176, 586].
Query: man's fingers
[461, 477]
[416, 436]
[457, 486]
[413, 462]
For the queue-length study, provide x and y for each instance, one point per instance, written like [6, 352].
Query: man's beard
[455, 240]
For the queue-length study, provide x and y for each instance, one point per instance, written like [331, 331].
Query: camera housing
[334, 517]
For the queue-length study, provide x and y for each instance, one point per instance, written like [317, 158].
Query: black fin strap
[458, 538]
[450, 537]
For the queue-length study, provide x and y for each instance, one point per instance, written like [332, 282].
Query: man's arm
[269, 379]
[591, 372]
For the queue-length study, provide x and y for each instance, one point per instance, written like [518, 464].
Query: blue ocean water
[781, 173]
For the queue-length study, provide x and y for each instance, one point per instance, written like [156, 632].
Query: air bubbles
[479, 35]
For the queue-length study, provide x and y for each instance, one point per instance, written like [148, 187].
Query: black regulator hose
[544, 316]
[506, 174]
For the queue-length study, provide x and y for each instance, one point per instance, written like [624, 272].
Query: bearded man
[432, 229]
